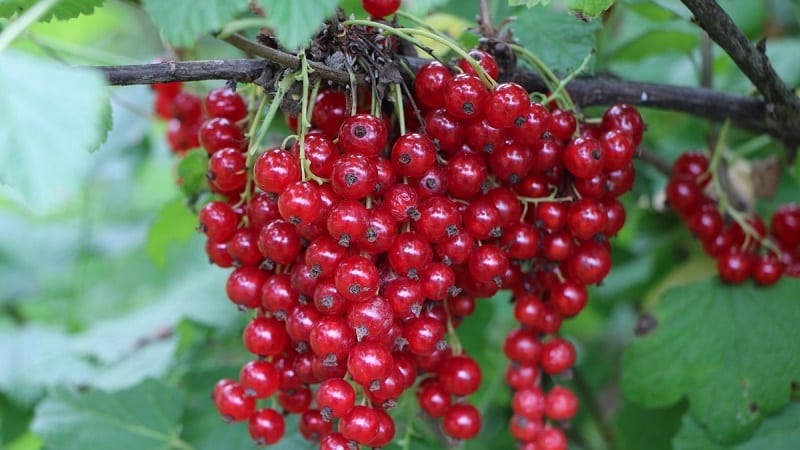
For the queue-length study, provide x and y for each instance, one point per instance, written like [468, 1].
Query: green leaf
[636, 428]
[182, 21]
[192, 172]
[422, 7]
[672, 38]
[733, 351]
[295, 21]
[778, 432]
[557, 38]
[52, 115]
[589, 8]
[63, 10]
[144, 417]
[175, 223]
[528, 3]
[23, 373]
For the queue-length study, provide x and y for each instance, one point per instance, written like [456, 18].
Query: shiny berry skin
[460, 375]
[439, 218]
[570, 298]
[330, 110]
[364, 134]
[482, 220]
[233, 403]
[485, 60]
[357, 278]
[438, 281]
[558, 355]
[461, 421]
[295, 401]
[218, 221]
[583, 157]
[244, 286]
[424, 334]
[624, 118]
[413, 154]
[218, 254]
[227, 170]
[225, 102]
[586, 218]
[507, 106]
[433, 399]
[300, 202]
[433, 183]
[705, 222]
[279, 241]
[734, 266]
[521, 376]
[370, 319]
[313, 426]
[511, 162]
[532, 125]
[466, 173]
[260, 378]
[334, 441]
[429, 84]
[265, 336]
[409, 254]
[354, 176]
[618, 150]
[335, 397]
[550, 438]
[522, 345]
[332, 337]
[785, 225]
[218, 133]
[465, 96]
[444, 130]
[360, 425]
[347, 222]
[589, 263]
[380, 8]
[692, 165]
[767, 270]
[320, 151]
[275, 169]
[529, 402]
[562, 124]
[487, 263]
[522, 428]
[683, 195]
[369, 362]
[560, 403]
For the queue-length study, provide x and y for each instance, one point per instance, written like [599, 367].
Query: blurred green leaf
[63, 10]
[46, 141]
[589, 8]
[778, 432]
[295, 22]
[24, 372]
[559, 39]
[182, 21]
[732, 350]
[144, 417]
[174, 223]
[528, 3]
[421, 7]
[192, 170]
[637, 428]
[658, 40]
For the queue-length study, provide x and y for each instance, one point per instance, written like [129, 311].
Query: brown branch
[485, 19]
[782, 110]
[744, 112]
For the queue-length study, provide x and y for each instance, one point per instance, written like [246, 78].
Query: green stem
[563, 83]
[398, 106]
[28, 18]
[407, 33]
[550, 79]
[305, 123]
[180, 444]
[455, 342]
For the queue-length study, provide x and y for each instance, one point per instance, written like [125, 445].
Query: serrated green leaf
[192, 172]
[174, 223]
[589, 8]
[144, 417]
[51, 116]
[733, 351]
[63, 10]
[778, 432]
[528, 3]
[557, 38]
[658, 40]
[295, 22]
[182, 21]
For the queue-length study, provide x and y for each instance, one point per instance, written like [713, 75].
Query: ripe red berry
[507, 106]
[259, 378]
[360, 425]
[429, 84]
[233, 403]
[560, 403]
[465, 96]
[335, 397]
[485, 60]
[380, 8]
[364, 134]
[734, 266]
[225, 102]
[558, 355]
[275, 169]
[461, 421]
[218, 221]
[583, 157]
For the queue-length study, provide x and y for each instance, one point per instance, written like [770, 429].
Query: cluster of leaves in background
[115, 328]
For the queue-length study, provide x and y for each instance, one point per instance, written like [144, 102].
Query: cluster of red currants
[362, 245]
[743, 249]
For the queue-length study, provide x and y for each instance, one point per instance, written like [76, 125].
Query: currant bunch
[742, 246]
[362, 244]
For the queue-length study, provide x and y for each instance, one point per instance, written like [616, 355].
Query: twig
[782, 109]
[485, 19]
[743, 112]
